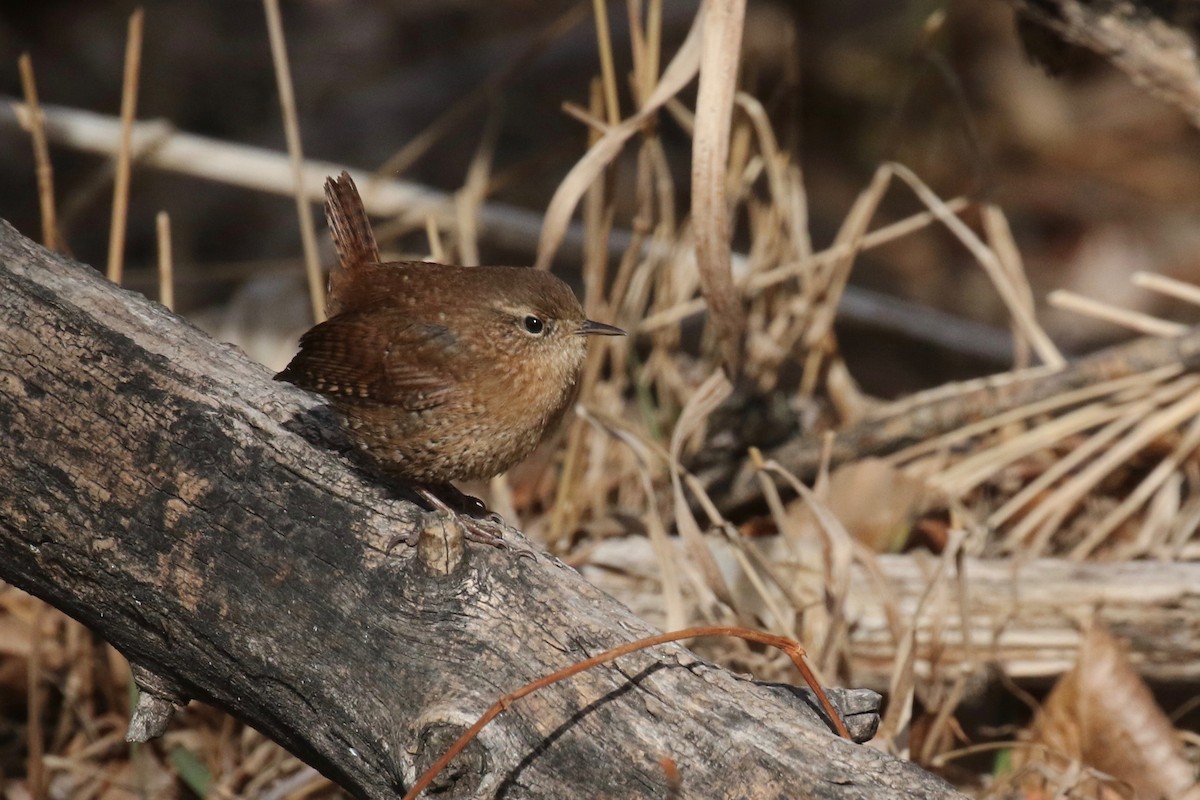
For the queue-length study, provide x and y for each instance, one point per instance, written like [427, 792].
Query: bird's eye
[534, 325]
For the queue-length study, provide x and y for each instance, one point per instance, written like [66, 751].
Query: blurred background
[1097, 178]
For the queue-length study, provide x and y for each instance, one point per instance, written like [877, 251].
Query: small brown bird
[442, 373]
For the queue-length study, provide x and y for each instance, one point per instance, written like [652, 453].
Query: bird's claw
[409, 538]
[488, 530]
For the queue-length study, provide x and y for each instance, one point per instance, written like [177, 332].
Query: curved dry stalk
[1010, 293]
[720, 54]
[757, 282]
[837, 548]
[787, 187]
[788, 646]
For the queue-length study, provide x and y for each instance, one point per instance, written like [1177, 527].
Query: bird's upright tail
[352, 237]
[348, 224]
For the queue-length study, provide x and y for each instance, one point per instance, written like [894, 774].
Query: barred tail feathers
[348, 224]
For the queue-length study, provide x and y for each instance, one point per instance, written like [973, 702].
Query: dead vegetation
[879, 533]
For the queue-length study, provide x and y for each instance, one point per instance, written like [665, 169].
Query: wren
[441, 373]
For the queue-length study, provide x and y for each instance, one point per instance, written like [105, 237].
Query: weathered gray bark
[160, 488]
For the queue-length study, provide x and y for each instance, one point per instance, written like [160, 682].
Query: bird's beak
[593, 328]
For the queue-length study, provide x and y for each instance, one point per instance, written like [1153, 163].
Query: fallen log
[161, 489]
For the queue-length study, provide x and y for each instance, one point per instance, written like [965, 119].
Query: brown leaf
[1103, 715]
[875, 502]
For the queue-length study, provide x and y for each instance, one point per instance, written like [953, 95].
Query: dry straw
[291, 127]
[720, 54]
[41, 155]
[120, 202]
[166, 264]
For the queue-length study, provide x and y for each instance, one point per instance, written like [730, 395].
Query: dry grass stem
[654, 17]
[640, 82]
[790, 596]
[291, 128]
[970, 472]
[166, 268]
[1000, 239]
[699, 406]
[120, 202]
[607, 71]
[939, 734]
[838, 550]
[1180, 290]
[1078, 456]
[782, 176]
[721, 38]
[987, 258]
[41, 154]
[1133, 320]
[437, 252]
[1140, 495]
[469, 199]
[1046, 517]
[679, 73]
[755, 282]
[663, 549]
[1025, 411]
[902, 688]
[826, 258]
[834, 277]
[588, 117]
[779, 614]
[598, 214]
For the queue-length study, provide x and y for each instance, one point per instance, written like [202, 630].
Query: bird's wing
[377, 356]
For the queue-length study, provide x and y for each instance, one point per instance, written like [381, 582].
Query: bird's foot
[471, 515]
[488, 530]
[467, 504]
